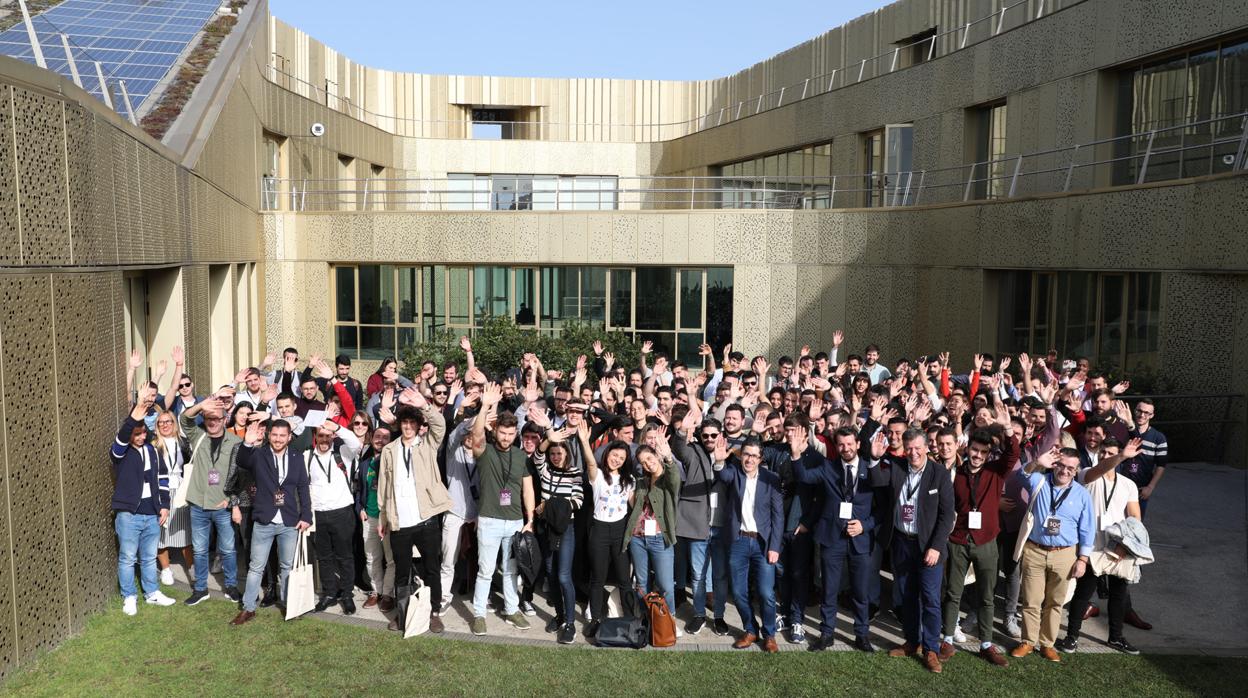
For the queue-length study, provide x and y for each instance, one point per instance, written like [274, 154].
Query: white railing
[953, 40]
[1207, 146]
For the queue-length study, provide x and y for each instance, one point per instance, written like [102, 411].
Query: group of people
[729, 480]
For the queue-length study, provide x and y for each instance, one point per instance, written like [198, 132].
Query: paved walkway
[1195, 595]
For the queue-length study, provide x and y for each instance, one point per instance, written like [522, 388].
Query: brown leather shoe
[946, 651]
[1091, 612]
[769, 645]
[1134, 620]
[1022, 650]
[371, 602]
[243, 617]
[931, 660]
[385, 603]
[745, 642]
[906, 650]
[993, 657]
[1050, 654]
[435, 623]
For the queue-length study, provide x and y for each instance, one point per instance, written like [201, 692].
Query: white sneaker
[130, 605]
[1011, 627]
[159, 599]
[679, 632]
[958, 635]
[166, 576]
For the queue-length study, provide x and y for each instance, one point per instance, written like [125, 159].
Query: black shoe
[695, 626]
[554, 624]
[823, 642]
[591, 630]
[234, 594]
[863, 644]
[348, 605]
[1066, 645]
[196, 597]
[1123, 646]
[719, 627]
[323, 603]
[567, 634]
[269, 599]
[873, 610]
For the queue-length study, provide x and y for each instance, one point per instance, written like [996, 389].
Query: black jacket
[298, 499]
[935, 501]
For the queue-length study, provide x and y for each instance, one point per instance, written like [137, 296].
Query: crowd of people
[908, 488]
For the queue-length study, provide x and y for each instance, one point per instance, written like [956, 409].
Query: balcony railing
[926, 49]
[1207, 146]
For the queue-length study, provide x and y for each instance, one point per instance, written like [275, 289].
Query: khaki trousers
[1045, 576]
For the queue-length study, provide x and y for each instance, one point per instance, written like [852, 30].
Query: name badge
[974, 520]
[214, 477]
[714, 500]
[279, 498]
[650, 527]
[847, 510]
[907, 513]
[504, 497]
[1053, 526]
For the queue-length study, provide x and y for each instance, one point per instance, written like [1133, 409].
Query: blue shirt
[1078, 519]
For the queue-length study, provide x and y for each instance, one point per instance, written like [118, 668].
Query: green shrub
[499, 344]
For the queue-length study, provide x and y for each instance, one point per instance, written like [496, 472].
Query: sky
[638, 39]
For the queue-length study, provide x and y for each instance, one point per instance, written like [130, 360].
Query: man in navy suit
[754, 518]
[281, 509]
[847, 524]
[917, 534]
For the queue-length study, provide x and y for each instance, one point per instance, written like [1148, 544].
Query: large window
[530, 192]
[1199, 85]
[1112, 318]
[380, 308]
[986, 126]
[887, 156]
[793, 179]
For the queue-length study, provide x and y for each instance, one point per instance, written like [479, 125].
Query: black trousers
[1085, 589]
[427, 537]
[335, 552]
[606, 552]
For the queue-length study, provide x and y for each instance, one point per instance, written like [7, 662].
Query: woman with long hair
[651, 524]
[176, 533]
[612, 485]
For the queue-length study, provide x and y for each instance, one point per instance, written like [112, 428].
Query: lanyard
[214, 448]
[328, 470]
[407, 459]
[1111, 493]
[1056, 501]
[912, 490]
[974, 481]
[280, 463]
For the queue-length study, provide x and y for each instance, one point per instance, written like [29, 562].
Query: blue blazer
[768, 504]
[298, 503]
[814, 469]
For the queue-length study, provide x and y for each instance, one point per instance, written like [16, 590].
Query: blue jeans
[718, 545]
[698, 568]
[262, 536]
[654, 550]
[919, 586]
[493, 535]
[137, 537]
[202, 523]
[558, 565]
[749, 556]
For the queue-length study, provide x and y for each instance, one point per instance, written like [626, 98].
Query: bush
[499, 344]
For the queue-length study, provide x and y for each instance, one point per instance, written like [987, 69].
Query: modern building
[954, 175]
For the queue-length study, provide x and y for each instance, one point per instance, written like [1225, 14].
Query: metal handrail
[807, 88]
[1045, 171]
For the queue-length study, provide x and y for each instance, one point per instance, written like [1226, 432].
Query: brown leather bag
[662, 624]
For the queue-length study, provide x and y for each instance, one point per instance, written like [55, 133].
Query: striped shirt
[1154, 453]
[553, 482]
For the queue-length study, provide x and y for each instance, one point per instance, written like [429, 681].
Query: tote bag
[416, 616]
[301, 584]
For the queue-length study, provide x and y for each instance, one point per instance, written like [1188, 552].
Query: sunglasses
[710, 435]
[359, 424]
[184, 385]
[439, 392]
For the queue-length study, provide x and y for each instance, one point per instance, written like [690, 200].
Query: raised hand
[454, 389]
[647, 346]
[268, 393]
[540, 418]
[322, 369]
[557, 435]
[815, 410]
[979, 361]
[598, 347]
[178, 356]
[1047, 459]
[1132, 449]
[805, 351]
[609, 359]
[581, 362]
[491, 394]
[704, 349]
[412, 398]
[427, 373]
[162, 367]
[255, 433]
[818, 383]
[388, 399]
[331, 410]
[476, 375]
[465, 344]
[944, 359]
[146, 396]
[760, 368]
[837, 337]
[1120, 387]
[136, 359]
[879, 445]
[1005, 362]
[269, 358]
[720, 453]
[923, 410]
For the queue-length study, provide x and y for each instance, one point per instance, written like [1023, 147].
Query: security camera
[318, 129]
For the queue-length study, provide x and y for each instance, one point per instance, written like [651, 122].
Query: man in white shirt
[334, 509]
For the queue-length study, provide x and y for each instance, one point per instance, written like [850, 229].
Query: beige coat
[431, 492]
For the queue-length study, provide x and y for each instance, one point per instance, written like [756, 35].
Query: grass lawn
[194, 651]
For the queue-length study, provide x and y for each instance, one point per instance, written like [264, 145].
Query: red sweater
[987, 496]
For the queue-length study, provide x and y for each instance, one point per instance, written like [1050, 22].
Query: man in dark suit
[282, 507]
[917, 534]
[847, 523]
[754, 520]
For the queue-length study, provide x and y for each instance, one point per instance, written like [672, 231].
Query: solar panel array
[137, 41]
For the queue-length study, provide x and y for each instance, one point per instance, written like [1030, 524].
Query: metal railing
[952, 40]
[1207, 146]
[1197, 428]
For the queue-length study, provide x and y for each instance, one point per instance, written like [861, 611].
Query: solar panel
[133, 40]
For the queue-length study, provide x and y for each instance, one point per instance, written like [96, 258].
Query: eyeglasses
[184, 385]
[165, 422]
[751, 383]
[1142, 413]
[359, 424]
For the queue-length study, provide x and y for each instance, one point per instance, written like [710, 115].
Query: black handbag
[624, 632]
